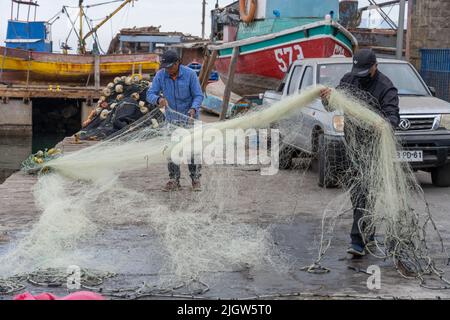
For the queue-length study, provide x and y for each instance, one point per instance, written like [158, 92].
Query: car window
[404, 78]
[308, 78]
[330, 75]
[296, 73]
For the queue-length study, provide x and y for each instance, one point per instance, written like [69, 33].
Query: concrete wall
[16, 117]
[430, 27]
[13, 150]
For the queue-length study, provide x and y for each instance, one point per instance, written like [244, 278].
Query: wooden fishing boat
[28, 67]
[28, 59]
[268, 46]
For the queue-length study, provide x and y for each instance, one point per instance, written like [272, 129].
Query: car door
[287, 126]
[304, 130]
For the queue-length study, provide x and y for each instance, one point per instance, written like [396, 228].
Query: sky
[171, 15]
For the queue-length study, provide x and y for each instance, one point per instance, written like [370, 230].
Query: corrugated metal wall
[435, 70]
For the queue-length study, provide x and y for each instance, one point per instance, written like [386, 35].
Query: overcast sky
[171, 15]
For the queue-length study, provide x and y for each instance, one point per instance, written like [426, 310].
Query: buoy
[144, 110]
[136, 77]
[135, 96]
[104, 114]
[107, 92]
[155, 123]
[247, 18]
[119, 88]
[53, 151]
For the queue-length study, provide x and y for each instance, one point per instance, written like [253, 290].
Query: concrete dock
[290, 202]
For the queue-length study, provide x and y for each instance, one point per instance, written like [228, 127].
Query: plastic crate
[435, 70]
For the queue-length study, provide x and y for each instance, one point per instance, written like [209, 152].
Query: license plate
[410, 156]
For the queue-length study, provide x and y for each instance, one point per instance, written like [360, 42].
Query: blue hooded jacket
[182, 94]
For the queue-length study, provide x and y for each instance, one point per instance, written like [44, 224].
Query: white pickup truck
[424, 130]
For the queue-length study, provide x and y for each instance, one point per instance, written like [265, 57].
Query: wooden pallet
[52, 91]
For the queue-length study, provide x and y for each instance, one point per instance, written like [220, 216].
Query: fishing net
[396, 220]
[82, 197]
[91, 197]
[123, 102]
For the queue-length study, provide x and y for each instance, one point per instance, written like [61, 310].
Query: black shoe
[356, 250]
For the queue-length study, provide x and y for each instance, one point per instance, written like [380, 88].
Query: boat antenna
[81, 46]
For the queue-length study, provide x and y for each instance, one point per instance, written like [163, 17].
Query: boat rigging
[82, 15]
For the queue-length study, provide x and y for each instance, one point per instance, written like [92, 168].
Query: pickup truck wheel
[285, 156]
[327, 176]
[441, 176]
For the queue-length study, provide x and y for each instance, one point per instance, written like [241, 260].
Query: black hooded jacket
[379, 93]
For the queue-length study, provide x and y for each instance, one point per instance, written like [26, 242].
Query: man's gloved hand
[162, 102]
[325, 94]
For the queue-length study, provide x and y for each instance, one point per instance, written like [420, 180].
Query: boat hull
[22, 67]
[264, 61]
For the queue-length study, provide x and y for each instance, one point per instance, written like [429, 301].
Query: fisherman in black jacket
[368, 84]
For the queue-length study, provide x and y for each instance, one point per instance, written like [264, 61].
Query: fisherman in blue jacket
[182, 98]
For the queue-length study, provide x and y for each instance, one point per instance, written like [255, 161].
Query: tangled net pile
[82, 197]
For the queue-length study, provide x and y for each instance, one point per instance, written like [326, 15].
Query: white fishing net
[85, 195]
[82, 195]
[397, 222]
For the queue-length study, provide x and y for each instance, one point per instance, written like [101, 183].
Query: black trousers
[175, 172]
[358, 184]
[358, 195]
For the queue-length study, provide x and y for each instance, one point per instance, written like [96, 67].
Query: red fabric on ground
[80, 295]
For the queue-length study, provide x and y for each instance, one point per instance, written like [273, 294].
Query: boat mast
[203, 19]
[82, 47]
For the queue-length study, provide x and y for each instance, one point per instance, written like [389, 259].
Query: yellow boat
[28, 57]
[28, 67]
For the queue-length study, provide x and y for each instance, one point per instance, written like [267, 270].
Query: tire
[327, 175]
[285, 156]
[440, 176]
